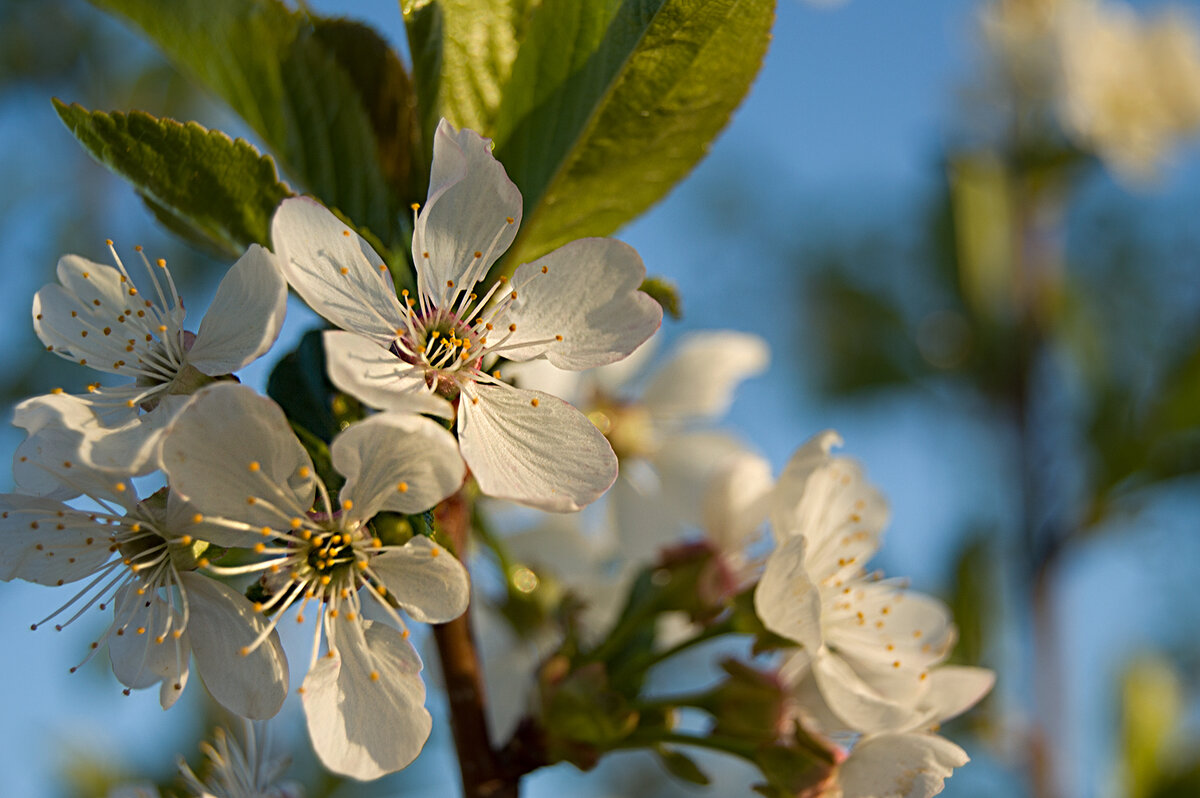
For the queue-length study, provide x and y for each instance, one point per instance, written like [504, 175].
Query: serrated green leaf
[200, 183]
[290, 85]
[462, 53]
[612, 102]
[681, 766]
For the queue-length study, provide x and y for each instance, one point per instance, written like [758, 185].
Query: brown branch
[482, 773]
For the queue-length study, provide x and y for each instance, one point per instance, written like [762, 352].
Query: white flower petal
[335, 270]
[533, 448]
[39, 545]
[827, 500]
[244, 318]
[428, 582]
[735, 504]
[232, 453]
[586, 292]
[468, 209]
[72, 317]
[142, 649]
[899, 766]
[361, 727]
[699, 379]
[686, 464]
[954, 689]
[63, 428]
[398, 462]
[375, 376]
[902, 626]
[644, 523]
[221, 623]
[786, 600]
[854, 701]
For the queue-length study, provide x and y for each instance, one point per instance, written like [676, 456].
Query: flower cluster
[243, 507]
[248, 524]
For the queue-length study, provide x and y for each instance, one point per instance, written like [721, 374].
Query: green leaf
[388, 98]
[287, 79]
[666, 294]
[681, 766]
[612, 102]
[215, 190]
[462, 53]
[298, 383]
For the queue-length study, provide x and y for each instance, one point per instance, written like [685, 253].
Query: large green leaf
[612, 102]
[292, 83]
[462, 53]
[202, 184]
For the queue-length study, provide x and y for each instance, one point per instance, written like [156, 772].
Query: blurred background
[1003, 327]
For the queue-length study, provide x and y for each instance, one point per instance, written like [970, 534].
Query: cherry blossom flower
[666, 464]
[910, 761]
[141, 558]
[577, 307]
[235, 772]
[96, 316]
[233, 455]
[870, 643]
[232, 771]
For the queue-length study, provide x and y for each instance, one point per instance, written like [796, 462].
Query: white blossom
[577, 307]
[141, 558]
[233, 455]
[96, 316]
[666, 463]
[870, 643]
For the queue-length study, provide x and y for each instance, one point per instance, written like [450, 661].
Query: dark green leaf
[681, 766]
[387, 95]
[612, 102]
[297, 89]
[298, 383]
[200, 183]
[666, 294]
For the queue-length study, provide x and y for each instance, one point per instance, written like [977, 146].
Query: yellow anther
[245, 651]
[265, 531]
[558, 338]
[509, 219]
[251, 500]
[141, 630]
[305, 472]
[259, 548]
[534, 402]
[119, 487]
[402, 487]
[108, 241]
[186, 540]
[344, 270]
[56, 391]
[162, 263]
[254, 466]
[513, 295]
[197, 518]
[296, 523]
[347, 504]
[478, 254]
[374, 676]
[545, 269]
